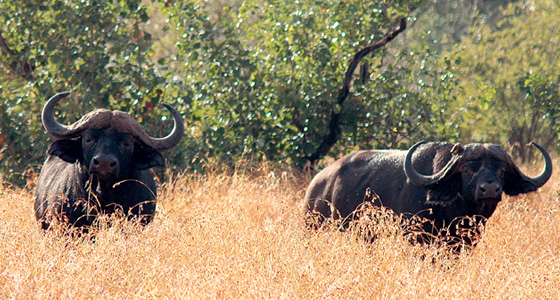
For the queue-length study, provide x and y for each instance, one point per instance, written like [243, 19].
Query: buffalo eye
[126, 145]
[500, 172]
[467, 170]
[89, 140]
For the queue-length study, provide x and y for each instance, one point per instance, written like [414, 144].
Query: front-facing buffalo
[99, 164]
[467, 181]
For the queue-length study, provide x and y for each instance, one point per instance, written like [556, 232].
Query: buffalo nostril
[104, 164]
[490, 189]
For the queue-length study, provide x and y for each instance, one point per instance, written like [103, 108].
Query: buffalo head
[106, 157]
[109, 144]
[477, 174]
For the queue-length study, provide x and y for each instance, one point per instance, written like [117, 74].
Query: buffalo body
[466, 182]
[100, 164]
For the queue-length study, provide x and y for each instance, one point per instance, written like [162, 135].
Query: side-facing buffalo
[99, 164]
[467, 182]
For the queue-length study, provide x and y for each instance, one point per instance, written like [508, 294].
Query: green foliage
[95, 49]
[509, 80]
[262, 78]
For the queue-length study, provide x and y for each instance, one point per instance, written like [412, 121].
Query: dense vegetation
[260, 78]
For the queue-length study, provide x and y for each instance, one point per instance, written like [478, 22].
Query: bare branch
[345, 90]
[4, 46]
[334, 125]
[22, 68]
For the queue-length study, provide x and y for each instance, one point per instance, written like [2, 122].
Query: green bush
[260, 79]
[509, 78]
[95, 49]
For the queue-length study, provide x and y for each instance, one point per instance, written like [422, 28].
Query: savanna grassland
[242, 236]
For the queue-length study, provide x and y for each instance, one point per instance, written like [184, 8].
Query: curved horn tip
[417, 145]
[47, 116]
[174, 112]
[414, 147]
[546, 173]
[174, 137]
[172, 109]
[533, 143]
[60, 95]
[541, 148]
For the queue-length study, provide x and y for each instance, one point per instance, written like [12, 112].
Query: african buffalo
[467, 181]
[99, 164]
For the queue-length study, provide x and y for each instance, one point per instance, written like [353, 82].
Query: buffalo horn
[173, 137]
[543, 177]
[103, 117]
[427, 180]
[51, 125]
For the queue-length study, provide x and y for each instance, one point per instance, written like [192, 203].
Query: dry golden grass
[242, 236]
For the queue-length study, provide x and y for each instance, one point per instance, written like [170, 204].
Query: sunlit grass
[243, 235]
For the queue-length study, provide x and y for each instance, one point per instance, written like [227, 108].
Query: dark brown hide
[99, 164]
[448, 182]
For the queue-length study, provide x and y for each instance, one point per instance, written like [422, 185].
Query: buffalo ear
[68, 150]
[146, 157]
[446, 191]
[515, 183]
